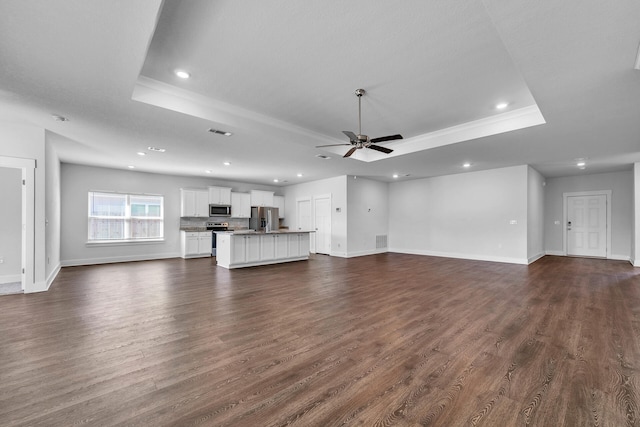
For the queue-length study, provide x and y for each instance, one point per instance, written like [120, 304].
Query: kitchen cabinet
[278, 202]
[194, 202]
[240, 205]
[245, 249]
[261, 198]
[298, 244]
[281, 246]
[236, 250]
[219, 196]
[194, 244]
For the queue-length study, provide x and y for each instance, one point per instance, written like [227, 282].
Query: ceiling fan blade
[350, 152]
[384, 150]
[352, 136]
[386, 138]
[330, 145]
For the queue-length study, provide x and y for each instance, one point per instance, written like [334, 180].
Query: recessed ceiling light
[228, 134]
[581, 164]
[227, 163]
[182, 74]
[502, 105]
[395, 175]
[207, 171]
[59, 118]
[299, 175]
[322, 156]
[141, 153]
[131, 167]
[157, 150]
[466, 165]
[275, 180]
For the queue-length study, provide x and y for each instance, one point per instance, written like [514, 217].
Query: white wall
[77, 181]
[368, 215]
[337, 187]
[28, 142]
[52, 213]
[10, 224]
[635, 235]
[535, 215]
[462, 216]
[621, 186]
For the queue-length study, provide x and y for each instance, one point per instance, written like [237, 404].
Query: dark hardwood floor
[379, 340]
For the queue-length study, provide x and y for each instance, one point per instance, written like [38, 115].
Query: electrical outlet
[513, 222]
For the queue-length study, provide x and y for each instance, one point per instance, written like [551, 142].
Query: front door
[587, 225]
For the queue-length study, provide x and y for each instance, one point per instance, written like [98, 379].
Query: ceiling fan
[363, 141]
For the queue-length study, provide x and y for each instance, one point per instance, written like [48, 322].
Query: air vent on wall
[219, 132]
[381, 241]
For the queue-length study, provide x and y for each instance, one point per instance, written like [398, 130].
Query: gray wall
[52, 213]
[466, 215]
[10, 224]
[77, 181]
[368, 215]
[621, 186]
[535, 215]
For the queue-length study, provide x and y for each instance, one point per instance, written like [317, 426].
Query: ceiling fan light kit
[363, 141]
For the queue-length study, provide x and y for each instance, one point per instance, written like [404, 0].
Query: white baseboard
[534, 258]
[456, 255]
[365, 253]
[110, 260]
[620, 257]
[339, 254]
[11, 278]
[53, 275]
[555, 253]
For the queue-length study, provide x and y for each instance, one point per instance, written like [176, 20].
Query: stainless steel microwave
[219, 210]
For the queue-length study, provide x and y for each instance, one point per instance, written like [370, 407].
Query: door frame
[27, 166]
[565, 214]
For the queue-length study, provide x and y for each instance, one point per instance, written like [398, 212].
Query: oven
[216, 226]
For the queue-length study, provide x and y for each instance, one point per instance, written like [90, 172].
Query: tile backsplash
[234, 223]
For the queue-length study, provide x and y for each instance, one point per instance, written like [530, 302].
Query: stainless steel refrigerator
[264, 219]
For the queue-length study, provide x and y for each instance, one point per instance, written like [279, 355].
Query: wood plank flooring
[380, 340]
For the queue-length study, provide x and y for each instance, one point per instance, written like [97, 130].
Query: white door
[303, 218]
[587, 225]
[322, 220]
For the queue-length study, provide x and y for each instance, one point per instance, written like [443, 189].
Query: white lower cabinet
[246, 250]
[194, 244]
[298, 244]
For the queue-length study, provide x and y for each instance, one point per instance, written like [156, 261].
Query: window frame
[126, 219]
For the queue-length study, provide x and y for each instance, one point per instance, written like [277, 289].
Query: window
[125, 217]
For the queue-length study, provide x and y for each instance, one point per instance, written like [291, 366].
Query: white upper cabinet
[279, 203]
[240, 205]
[219, 195]
[261, 198]
[194, 202]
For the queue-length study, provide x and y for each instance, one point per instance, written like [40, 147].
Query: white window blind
[125, 217]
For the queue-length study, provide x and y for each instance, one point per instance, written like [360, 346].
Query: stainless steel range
[216, 226]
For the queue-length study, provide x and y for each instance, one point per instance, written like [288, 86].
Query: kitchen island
[237, 249]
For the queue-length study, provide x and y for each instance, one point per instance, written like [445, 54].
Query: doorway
[587, 224]
[26, 225]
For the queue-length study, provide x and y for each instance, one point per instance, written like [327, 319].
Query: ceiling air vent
[219, 132]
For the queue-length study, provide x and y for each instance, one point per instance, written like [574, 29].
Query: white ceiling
[281, 76]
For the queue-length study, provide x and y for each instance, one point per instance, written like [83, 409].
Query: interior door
[587, 225]
[303, 218]
[322, 220]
